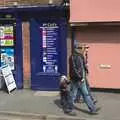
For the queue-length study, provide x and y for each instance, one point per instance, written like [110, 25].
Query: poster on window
[50, 38]
[1, 32]
[6, 35]
[7, 57]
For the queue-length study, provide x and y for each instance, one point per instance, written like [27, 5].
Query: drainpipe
[73, 38]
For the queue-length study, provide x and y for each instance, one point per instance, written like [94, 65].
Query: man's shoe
[94, 112]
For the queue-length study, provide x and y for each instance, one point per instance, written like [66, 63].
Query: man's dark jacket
[77, 64]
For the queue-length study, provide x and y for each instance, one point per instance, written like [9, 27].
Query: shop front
[11, 44]
[48, 48]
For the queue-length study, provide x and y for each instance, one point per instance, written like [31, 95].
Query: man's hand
[83, 80]
[80, 82]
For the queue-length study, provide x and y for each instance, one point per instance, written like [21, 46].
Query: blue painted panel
[19, 55]
[48, 52]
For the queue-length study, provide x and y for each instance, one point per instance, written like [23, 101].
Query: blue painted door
[48, 52]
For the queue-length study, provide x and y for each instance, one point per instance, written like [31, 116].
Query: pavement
[44, 105]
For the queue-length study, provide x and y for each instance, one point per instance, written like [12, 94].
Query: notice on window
[8, 77]
[6, 35]
[7, 57]
[50, 54]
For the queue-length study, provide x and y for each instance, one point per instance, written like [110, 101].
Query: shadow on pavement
[82, 110]
[89, 113]
[57, 102]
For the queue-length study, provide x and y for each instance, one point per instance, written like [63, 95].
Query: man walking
[78, 77]
[79, 96]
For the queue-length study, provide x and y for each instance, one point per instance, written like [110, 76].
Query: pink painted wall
[94, 10]
[103, 56]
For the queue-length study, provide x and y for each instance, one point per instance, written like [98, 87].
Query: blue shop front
[48, 48]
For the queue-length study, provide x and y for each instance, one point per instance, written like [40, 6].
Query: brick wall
[26, 54]
[1, 2]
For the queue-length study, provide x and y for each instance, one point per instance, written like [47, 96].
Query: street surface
[47, 105]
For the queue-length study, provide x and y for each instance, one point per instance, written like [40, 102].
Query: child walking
[65, 98]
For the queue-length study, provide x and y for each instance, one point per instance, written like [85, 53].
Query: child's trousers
[67, 103]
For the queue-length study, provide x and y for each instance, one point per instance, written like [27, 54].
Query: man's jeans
[79, 95]
[84, 92]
